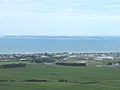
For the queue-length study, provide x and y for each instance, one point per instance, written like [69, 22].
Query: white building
[104, 58]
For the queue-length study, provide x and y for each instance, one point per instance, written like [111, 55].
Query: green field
[78, 78]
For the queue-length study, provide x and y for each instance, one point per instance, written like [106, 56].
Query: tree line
[12, 65]
[71, 64]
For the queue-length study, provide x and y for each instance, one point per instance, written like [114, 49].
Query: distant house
[80, 61]
[44, 56]
[118, 63]
[23, 59]
[104, 58]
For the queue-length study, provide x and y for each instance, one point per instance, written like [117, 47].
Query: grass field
[79, 78]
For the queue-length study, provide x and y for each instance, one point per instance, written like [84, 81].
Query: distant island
[61, 37]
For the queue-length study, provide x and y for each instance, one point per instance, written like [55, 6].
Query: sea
[17, 45]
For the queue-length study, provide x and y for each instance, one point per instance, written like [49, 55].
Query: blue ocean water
[35, 45]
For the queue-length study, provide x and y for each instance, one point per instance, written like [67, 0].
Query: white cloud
[62, 15]
[112, 6]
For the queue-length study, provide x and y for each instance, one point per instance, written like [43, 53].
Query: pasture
[78, 78]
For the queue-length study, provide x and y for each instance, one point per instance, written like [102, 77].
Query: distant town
[63, 57]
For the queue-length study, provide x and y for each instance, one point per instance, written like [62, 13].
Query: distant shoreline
[57, 37]
[101, 52]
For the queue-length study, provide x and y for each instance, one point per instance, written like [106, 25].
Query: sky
[60, 17]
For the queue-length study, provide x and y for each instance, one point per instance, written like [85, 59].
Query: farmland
[77, 78]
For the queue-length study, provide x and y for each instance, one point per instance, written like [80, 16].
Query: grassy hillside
[78, 78]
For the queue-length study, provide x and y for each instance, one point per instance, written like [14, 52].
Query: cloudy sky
[60, 17]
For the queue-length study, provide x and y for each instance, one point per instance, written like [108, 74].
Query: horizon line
[57, 35]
